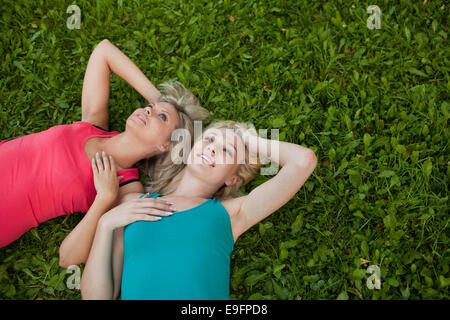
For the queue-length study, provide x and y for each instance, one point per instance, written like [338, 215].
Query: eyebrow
[154, 105]
[165, 111]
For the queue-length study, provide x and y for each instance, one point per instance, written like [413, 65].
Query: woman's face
[153, 125]
[217, 156]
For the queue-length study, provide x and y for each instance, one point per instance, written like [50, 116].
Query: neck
[192, 187]
[125, 150]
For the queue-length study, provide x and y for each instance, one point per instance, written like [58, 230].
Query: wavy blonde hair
[246, 171]
[160, 170]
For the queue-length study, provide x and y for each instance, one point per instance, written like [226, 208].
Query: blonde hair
[246, 171]
[160, 170]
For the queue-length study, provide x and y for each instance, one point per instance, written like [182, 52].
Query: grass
[372, 104]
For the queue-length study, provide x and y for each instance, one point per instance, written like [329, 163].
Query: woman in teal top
[193, 260]
[144, 251]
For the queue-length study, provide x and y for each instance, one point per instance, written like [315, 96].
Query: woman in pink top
[49, 173]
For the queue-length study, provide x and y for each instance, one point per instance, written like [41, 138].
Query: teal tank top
[185, 256]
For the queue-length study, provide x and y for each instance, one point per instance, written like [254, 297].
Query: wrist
[257, 147]
[103, 225]
[105, 198]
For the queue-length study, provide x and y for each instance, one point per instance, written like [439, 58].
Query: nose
[211, 149]
[148, 110]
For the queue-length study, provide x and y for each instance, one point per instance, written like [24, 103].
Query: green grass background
[372, 104]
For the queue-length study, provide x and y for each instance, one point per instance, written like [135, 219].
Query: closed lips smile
[141, 117]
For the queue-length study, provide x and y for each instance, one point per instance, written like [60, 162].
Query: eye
[163, 116]
[209, 139]
[227, 151]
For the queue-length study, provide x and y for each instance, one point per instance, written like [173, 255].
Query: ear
[233, 180]
[165, 147]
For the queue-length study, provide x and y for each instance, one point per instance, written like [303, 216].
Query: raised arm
[297, 164]
[107, 57]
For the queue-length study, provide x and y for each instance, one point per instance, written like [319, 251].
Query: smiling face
[153, 125]
[217, 156]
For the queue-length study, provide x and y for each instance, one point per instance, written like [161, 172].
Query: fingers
[112, 163]
[154, 212]
[105, 161]
[156, 204]
[94, 166]
[145, 217]
[99, 162]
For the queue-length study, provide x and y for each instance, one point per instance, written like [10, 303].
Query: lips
[141, 117]
[206, 160]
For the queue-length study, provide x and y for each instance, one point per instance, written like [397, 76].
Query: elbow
[101, 46]
[104, 41]
[62, 258]
[308, 159]
[62, 264]
[65, 261]
[312, 158]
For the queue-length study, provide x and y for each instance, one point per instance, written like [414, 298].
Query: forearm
[280, 152]
[76, 246]
[122, 66]
[97, 280]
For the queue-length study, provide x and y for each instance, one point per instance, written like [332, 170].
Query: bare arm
[297, 164]
[117, 261]
[102, 274]
[75, 247]
[105, 58]
[97, 278]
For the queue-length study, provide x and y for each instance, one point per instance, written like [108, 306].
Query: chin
[129, 123]
[199, 169]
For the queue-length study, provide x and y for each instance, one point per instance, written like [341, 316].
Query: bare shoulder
[130, 191]
[96, 120]
[135, 186]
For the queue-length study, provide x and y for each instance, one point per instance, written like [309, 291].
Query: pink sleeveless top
[46, 175]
